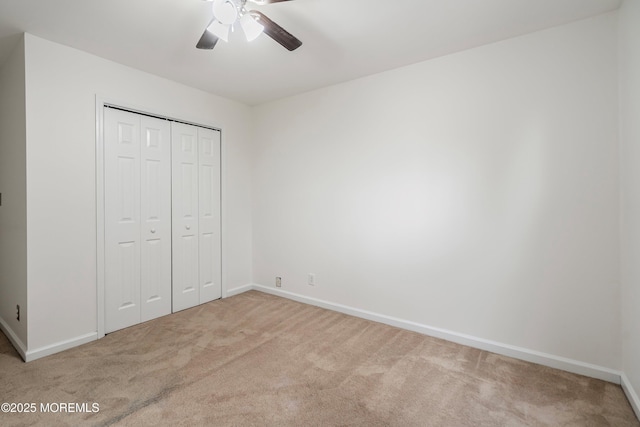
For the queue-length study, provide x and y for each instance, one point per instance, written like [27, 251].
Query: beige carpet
[256, 359]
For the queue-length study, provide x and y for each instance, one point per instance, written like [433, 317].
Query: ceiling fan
[229, 14]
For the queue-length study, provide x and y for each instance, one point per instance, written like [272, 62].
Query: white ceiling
[342, 39]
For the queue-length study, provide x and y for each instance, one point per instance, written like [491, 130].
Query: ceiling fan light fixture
[219, 29]
[252, 29]
[225, 11]
[230, 14]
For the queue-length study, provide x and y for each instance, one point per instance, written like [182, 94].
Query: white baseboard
[30, 355]
[20, 347]
[631, 394]
[557, 362]
[239, 290]
[59, 346]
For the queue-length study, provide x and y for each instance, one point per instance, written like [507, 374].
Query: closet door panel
[156, 218]
[184, 141]
[122, 219]
[209, 214]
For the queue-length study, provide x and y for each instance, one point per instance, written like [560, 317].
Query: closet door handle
[153, 230]
[188, 227]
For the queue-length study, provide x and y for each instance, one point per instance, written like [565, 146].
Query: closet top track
[156, 116]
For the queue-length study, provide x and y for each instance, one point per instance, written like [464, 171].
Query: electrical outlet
[311, 279]
[278, 282]
[18, 312]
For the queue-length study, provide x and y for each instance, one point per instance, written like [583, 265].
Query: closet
[161, 217]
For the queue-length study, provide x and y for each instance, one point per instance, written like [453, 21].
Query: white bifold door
[196, 215]
[137, 160]
[162, 217]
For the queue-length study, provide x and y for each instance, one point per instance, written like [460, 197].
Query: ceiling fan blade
[207, 41]
[276, 32]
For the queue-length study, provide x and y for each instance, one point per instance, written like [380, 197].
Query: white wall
[61, 86]
[13, 220]
[629, 28]
[477, 193]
